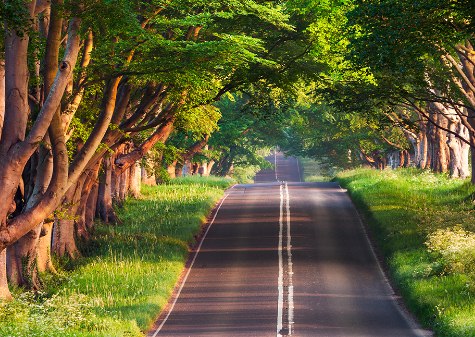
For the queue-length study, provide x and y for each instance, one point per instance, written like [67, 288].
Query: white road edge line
[190, 267]
[280, 284]
[285, 200]
[289, 261]
[419, 331]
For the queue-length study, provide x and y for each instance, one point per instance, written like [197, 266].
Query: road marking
[189, 269]
[290, 265]
[280, 283]
[298, 169]
[285, 304]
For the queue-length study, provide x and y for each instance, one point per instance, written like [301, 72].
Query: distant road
[285, 258]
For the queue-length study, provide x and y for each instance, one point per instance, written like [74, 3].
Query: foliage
[404, 207]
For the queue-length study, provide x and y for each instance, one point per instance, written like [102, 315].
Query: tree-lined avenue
[338, 287]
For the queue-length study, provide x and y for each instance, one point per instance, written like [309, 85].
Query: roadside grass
[424, 226]
[126, 274]
[314, 171]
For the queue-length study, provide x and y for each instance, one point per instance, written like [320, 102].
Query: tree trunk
[90, 179]
[22, 261]
[15, 149]
[44, 260]
[178, 170]
[422, 155]
[2, 93]
[4, 290]
[64, 242]
[135, 180]
[105, 207]
[91, 207]
[22, 264]
[459, 150]
[438, 145]
[171, 169]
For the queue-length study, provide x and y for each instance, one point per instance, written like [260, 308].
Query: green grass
[314, 171]
[403, 209]
[128, 271]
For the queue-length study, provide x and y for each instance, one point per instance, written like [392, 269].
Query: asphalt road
[285, 258]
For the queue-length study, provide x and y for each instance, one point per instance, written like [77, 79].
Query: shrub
[456, 248]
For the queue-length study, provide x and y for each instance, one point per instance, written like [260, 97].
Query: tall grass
[128, 271]
[407, 210]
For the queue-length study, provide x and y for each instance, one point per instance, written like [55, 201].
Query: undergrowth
[424, 225]
[126, 274]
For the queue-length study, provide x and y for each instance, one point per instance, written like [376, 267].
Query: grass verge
[314, 171]
[423, 225]
[127, 272]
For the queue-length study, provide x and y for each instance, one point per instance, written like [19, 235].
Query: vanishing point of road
[285, 258]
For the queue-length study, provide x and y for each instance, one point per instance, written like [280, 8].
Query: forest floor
[423, 225]
[126, 275]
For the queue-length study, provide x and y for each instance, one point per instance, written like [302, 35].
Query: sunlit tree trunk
[4, 290]
[104, 200]
[134, 177]
[459, 150]
[44, 260]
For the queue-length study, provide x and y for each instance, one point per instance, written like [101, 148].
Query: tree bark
[459, 150]
[44, 260]
[171, 169]
[4, 290]
[161, 134]
[91, 206]
[104, 200]
[2, 94]
[90, 178]
[22, 260]
[135, 180]
[15, 154]
[64, 242]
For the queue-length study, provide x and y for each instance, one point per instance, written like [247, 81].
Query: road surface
[285, 258]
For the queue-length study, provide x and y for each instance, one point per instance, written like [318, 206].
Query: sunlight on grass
[314, 171]
[411, 214]
[128, 271]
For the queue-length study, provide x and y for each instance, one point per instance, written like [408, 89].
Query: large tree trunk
[44, 260]
[15, 148]
[439, 150]
[4, 290]
[82, 229]
[2, 93]
[22, 264]
[459, 150]
[22, 261]
[64, 241]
